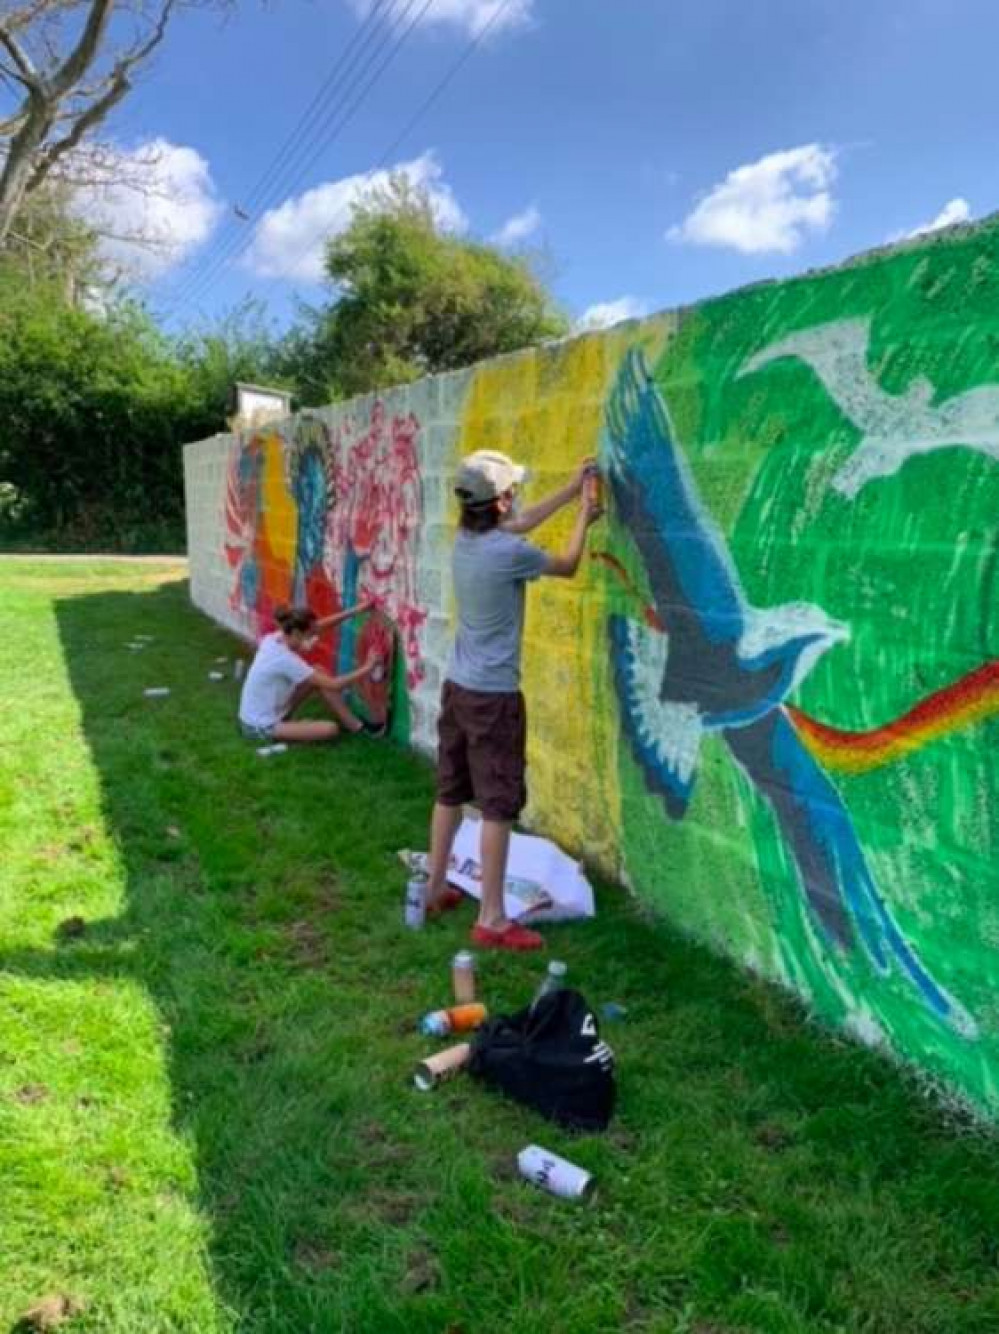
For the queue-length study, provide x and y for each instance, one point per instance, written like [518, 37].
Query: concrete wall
[770, 701]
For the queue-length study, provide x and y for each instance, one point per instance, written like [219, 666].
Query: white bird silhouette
[894, 426]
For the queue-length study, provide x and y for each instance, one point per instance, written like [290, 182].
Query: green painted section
[907, 561]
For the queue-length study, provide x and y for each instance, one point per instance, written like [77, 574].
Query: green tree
[412, 299]
[96, 405]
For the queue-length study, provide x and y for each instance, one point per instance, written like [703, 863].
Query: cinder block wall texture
[770, 701]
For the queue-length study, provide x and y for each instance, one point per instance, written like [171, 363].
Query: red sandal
[512, 937]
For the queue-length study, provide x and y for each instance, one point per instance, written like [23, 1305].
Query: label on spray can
[554, 1174]
[458, 1019]
[416, 901]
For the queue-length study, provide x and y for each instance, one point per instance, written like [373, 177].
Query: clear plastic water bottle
[553, 980]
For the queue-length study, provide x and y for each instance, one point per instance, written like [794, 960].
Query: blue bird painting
[720, 666]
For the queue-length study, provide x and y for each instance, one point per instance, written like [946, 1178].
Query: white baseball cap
[486, 475]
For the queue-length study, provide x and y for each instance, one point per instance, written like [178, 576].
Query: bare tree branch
[24, 68]
[79, 60]
[61, 95]
[119, 84]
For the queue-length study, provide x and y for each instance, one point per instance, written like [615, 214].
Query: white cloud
[954, 211]
[155, 204]
[518, 228]
[471, 15]
[290, 240]
[768, 205]
[605, 313]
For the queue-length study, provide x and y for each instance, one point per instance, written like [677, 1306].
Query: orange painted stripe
[968, 701]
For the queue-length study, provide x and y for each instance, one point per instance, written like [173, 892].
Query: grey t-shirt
[490, 570]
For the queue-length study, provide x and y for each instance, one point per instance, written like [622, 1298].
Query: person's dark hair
[295, 620]
[480, 517]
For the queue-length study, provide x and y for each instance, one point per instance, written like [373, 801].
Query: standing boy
[483, 723]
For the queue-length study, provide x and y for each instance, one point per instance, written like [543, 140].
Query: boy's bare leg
[312, 730]
[444, 826]
[493, 850]
[333, 700]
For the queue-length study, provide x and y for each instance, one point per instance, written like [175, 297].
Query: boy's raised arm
[535, 515]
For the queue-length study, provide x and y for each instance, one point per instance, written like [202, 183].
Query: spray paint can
[442, 1065]
[463, 977]
[594, 487]
[458, 1019]
[216, 676]
[278, 748]
[156, 692]
[554, 1174]
[238, 668]
[416, 901]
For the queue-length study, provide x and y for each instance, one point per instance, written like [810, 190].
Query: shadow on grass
[758, 1176]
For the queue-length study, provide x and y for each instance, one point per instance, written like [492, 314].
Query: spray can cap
[464, 959]
[557, 968]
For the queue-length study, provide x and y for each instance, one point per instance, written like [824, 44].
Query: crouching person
[280, 681]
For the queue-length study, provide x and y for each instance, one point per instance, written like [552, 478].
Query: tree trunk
[20, 161]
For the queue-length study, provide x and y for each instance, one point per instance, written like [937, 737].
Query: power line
[436, 92]
[370, 22]
[401, 33]
[221, 241]
[267, 184]
[444, 83]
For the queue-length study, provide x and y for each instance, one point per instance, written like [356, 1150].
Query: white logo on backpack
[601, 1055]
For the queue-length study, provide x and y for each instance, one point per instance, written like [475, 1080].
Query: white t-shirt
[270, 682]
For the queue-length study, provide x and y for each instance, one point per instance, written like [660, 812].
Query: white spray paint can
[238, 668]
[156, 692]
[278, 748]
[554, 1174]
[216, 676]
[416, 901]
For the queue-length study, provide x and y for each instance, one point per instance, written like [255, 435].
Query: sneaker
[511, 937]
[373, 729]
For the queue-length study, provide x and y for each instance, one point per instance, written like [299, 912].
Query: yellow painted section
[280, 514]
[545, 408]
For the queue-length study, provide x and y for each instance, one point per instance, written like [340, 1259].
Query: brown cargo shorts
[482, 752]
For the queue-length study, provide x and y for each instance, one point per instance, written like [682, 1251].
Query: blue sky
[652, 151]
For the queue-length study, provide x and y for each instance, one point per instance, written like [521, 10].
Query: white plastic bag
[541, 881]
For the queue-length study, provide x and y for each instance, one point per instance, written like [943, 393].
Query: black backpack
[550, 1057]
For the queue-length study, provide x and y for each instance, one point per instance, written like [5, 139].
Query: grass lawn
[205, 1116]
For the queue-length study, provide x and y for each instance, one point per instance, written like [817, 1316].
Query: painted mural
[329, 516]
[770, 701]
